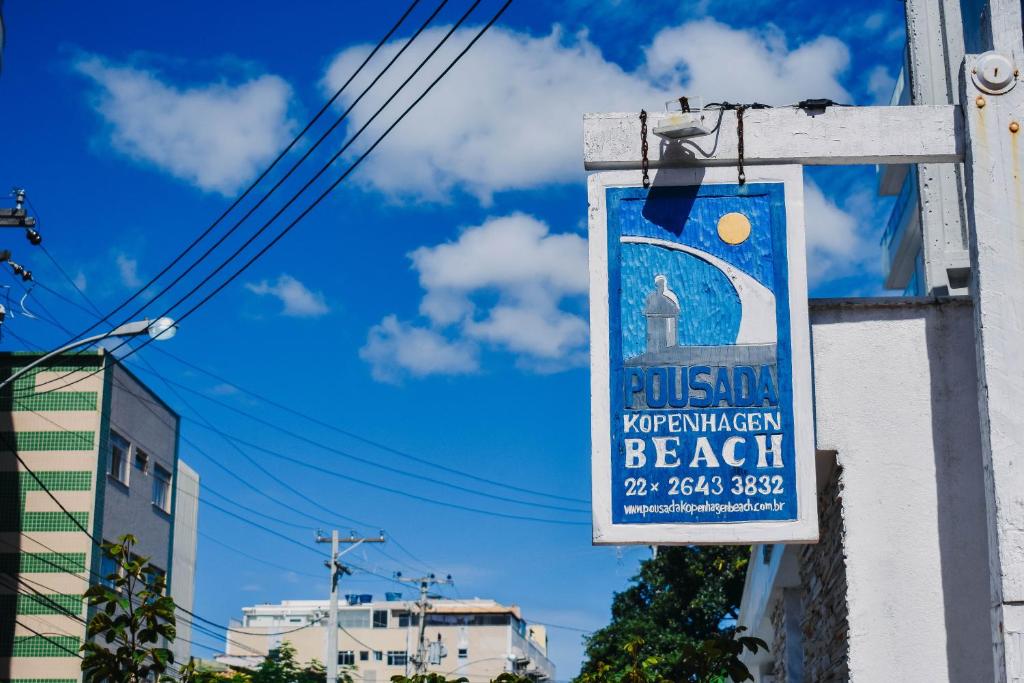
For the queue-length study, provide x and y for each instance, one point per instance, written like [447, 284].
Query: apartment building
[106, 447]
[479, 639]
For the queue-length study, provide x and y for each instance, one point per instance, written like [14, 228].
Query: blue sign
[702, 421]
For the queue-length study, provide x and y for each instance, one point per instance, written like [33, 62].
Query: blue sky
[435, 302]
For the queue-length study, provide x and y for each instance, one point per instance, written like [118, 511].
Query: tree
[673, 622]
[281, 666]
[133, 621]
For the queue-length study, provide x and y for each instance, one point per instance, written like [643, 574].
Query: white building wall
[183, 562]
[491, 649]
[896, 400]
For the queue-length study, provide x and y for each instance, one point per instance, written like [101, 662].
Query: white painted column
[993, 165]
[935, 51]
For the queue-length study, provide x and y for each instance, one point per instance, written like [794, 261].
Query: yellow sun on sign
[734, 228]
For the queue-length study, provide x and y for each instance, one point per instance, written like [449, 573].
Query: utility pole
[19, 218]
[337, 569]
[419, 660]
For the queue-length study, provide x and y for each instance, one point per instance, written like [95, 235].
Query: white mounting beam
[935, 46]
[785, 135]
[996, 222]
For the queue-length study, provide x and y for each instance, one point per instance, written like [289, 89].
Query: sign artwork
[701, 371]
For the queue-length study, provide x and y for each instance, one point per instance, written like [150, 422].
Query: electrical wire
[280, 406]
[320, 197]
[371, 463]
[144, 401]
[365, 461]
[305, 186]
[261, 176]
[50, 640]
[281, 181]
[190, 622]
[381, 487]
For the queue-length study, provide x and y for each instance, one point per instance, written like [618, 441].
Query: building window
[354, 618]
[152, 577]
[119, 448]
[397, 657]
[364, 655]
[141, 460]
[378, 656]
[161, 488]
[406, 619]
[380, 618]
[346, 658]
[463, 653]
[109, 568]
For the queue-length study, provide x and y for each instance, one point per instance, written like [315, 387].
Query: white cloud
[395, 349]
[881, 84]
[215, 136]
[223, 389]
[508, 284]
[81, 281]
[298, 300]
[509, 116]
[837, 243]
[128, 269]
[722, 63]
[875, 21]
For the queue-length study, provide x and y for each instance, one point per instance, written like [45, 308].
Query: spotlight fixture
[686, 119]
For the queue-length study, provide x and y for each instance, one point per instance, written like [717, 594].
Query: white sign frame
[804, 529]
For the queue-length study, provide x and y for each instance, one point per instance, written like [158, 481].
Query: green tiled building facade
[101, 443]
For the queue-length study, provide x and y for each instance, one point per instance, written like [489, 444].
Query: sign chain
[644, 163]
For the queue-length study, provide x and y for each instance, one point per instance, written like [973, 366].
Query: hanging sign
[702, 422]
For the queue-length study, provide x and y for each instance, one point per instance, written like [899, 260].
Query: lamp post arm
[118, 332]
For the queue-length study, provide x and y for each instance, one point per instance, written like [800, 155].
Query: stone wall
[823, 577]
[820, 609]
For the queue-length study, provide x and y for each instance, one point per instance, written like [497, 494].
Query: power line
[371, 463]
[51, 640]
[145, 402]
[321, 423]
[285, 177]
[237, 440]
[325, 193]
[407, 494]
[262, 175]
[344, 432]
[301, 190]
[256, 558]
[101, 578]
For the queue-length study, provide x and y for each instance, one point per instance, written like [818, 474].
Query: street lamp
[160, 329]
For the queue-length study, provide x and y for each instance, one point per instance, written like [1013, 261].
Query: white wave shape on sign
[757, 303]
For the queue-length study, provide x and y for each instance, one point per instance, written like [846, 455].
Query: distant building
[106, 446]
[480, 638]
[183, 565]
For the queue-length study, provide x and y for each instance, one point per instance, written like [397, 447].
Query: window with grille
[397, 657]
[141, 460]
[346, 658]
[108, 567]
[119, 448]
[354, 618]
[380, 618]
[161, 488]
